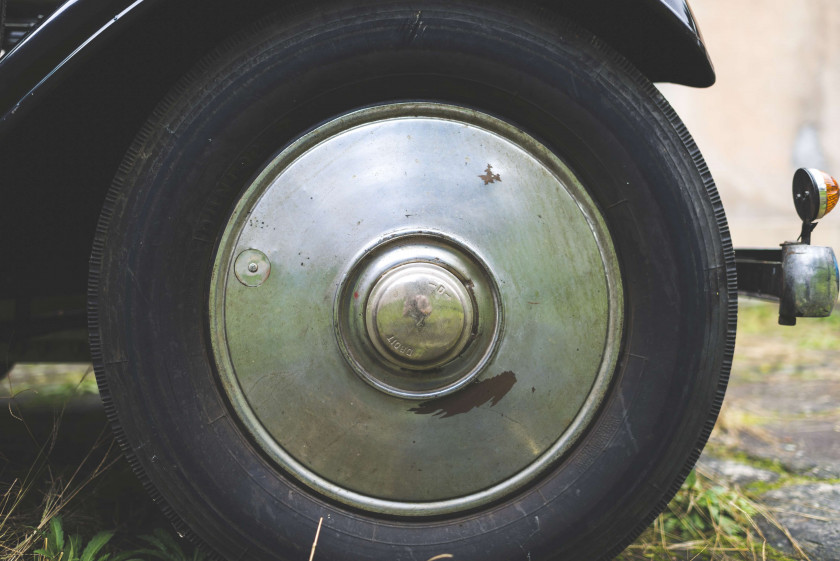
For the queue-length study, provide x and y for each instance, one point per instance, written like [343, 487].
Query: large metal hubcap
[415, 309]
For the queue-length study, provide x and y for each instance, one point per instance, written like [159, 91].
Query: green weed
[57, 548]
[60, 547]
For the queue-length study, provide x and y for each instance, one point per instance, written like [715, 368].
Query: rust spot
[489, 176]
[491, 390]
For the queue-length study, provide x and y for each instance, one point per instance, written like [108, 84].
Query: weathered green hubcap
[415, 309]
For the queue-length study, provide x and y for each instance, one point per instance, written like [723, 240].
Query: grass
[66, 492]
[709, 520]
[761, 318]
[69, 496]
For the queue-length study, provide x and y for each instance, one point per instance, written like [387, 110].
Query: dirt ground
[779, 431]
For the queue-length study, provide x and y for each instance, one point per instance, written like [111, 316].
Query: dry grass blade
[709, 520]
[315, 542]
[58, 493]
[765, 513]
[768, 515]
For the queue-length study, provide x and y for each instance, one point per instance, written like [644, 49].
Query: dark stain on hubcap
[491, 390]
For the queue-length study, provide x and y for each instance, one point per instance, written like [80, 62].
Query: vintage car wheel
[449, 279]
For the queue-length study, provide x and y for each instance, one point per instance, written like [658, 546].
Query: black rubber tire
[155, 245]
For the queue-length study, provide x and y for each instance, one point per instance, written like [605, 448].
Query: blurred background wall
[775, 107]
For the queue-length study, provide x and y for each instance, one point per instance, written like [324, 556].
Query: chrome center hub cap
[418, 315]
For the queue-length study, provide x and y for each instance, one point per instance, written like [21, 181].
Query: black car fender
[75, 90]
[659, 36]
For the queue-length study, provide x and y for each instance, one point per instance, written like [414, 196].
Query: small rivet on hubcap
[252, 267]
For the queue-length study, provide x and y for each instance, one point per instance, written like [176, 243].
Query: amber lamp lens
[832, 192]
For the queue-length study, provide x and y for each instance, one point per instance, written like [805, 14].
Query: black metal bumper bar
[759, 273]
[801, 277]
